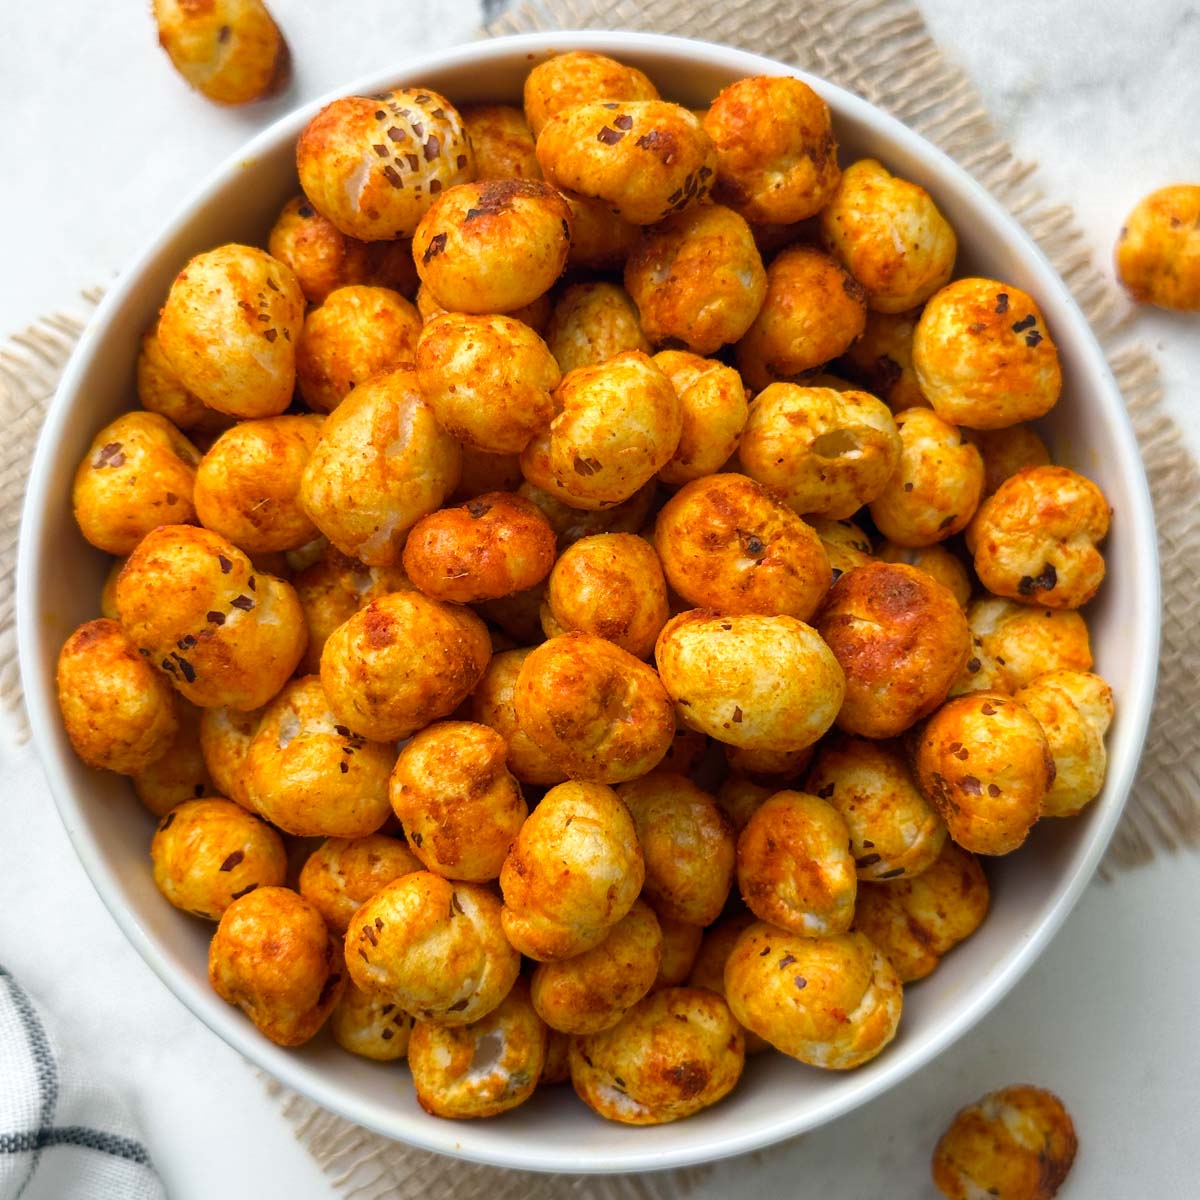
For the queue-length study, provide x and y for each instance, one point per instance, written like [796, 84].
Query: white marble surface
[101, 143]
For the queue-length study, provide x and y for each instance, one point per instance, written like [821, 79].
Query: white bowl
[59, 581]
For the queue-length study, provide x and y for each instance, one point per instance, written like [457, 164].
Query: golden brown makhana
[447, 532]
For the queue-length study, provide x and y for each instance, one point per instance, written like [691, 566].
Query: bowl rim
[454, 1138]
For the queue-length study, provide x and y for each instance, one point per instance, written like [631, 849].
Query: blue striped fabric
[60, 1136]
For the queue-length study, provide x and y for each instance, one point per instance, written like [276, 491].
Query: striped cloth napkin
[61, 1136]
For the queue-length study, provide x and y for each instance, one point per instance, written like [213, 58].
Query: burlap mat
[882, 50]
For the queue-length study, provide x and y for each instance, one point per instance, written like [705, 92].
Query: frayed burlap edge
[31, 363]
[363, 1166]
[882, 50]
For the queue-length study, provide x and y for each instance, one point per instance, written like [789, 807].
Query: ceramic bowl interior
[60, 580]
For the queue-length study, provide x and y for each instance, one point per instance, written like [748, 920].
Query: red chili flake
[786, 961]
[226, 565]
[215, 618]
[753, 543]
[112, 455]
[737, 715]
[624, 121]
[244, 891]
[660, 142]
[1024, 323]
[1045, 582]
[433, 147]
[327, 987]
[233, 860]
[370, 935]
[1001, 303]
[168, 820]
[243, 602]
[437, 244]
[610, 137]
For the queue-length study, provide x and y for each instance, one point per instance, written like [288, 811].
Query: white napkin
[61, 1136]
